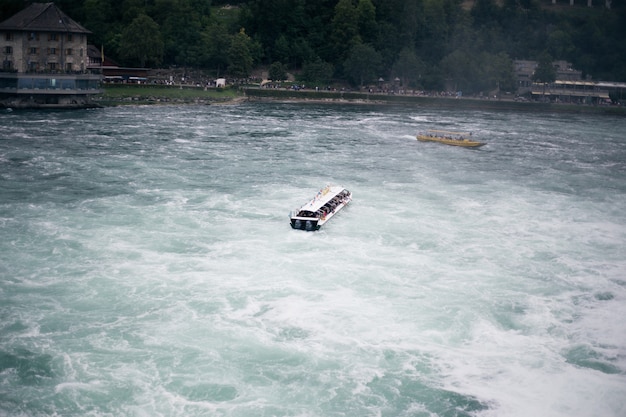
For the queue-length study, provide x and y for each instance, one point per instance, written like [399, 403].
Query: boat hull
[464, 143]
[301, 224]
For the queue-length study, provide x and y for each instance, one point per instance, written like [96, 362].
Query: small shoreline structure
[450, 138]
[326, 203]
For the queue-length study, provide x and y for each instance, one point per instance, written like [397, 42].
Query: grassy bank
[120, 94]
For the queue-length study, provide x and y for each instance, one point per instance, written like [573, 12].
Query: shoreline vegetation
[124, 94]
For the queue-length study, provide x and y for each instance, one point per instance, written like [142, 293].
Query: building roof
[42, 17]
[97, 55]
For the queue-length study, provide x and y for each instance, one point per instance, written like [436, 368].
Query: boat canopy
[323, 196]
[447, 132]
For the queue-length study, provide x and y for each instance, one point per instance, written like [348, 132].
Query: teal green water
[147, 265]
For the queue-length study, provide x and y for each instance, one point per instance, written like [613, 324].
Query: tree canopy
[545, 72]
[141, 41]
[429, 44]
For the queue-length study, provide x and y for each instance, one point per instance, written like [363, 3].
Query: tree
[502, 74]
[345, 29]
[560, 44]
[10, 7]
[410, 23]
[181, 25]
[240, 55]
[276, 24]
[408, 68]
[485, 12]
[459, 69]
[317, 71]
[98, 18]
[297, 32]
[363, 63]
[367, 20]
[141, 42]
[277, 72]
[302, 52]
[130, 9]
[435, 33]
[282, 48]
[545, 72]
[215, 46]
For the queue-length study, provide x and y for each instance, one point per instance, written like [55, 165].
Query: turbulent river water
[147, 265]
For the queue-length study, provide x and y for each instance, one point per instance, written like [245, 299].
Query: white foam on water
[161, 270]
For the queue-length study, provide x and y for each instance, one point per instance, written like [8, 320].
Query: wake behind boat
[321, 208]
[449, 138]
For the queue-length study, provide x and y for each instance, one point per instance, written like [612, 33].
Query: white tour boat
[321, 208]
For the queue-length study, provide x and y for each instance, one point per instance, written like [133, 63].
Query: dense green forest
[426, 44]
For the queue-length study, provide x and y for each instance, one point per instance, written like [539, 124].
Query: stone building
[44, 60]
[569, 86]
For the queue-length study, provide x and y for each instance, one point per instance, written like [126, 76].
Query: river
[147, 265]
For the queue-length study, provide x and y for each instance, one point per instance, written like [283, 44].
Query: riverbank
[133, 94]
[262, 94]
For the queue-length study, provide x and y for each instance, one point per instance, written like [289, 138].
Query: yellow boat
[449, 138]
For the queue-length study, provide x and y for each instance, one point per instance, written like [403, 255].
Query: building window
[52, 66]
[68, 51]
[81, 51]
[52, 51]
[68, 67]
[69, 37]
[7, 65]
[52, 37]
[8, 36]
[8, 49]
[33, 36]
[33, 66]
[33, 51]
